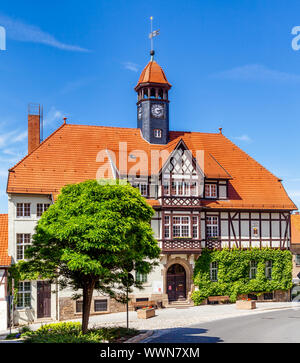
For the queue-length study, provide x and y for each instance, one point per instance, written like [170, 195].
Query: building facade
[206, 193]
[5, 262]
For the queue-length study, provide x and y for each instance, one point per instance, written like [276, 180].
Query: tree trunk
[87, 299]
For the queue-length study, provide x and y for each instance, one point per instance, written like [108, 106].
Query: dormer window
[143, 188]
[158, 133]
[210, 190]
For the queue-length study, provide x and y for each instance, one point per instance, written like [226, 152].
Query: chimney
[34, 126]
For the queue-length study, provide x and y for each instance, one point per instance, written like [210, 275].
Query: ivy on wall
[233, 276]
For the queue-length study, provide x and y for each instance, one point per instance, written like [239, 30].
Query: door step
[180, 304]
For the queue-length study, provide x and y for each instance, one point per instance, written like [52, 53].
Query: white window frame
[167, 227]
[141, 277]
[21, 245]
[44, 206]
[195, 226]
[142, 187]
[24, 295]
[183, 188]
[268, 269]
[212, 226]
[181, 227]
[157, 133]
[211, 190]
[213, 271]
[22, 207]
[253, 269]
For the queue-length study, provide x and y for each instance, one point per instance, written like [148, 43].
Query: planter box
[145, 313]
[245, 305]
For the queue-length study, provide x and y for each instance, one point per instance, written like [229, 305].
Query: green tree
[87, 239]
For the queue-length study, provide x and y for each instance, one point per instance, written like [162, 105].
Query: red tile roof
[153, 73]
[71, 155]
[5, 260]
[295, 228]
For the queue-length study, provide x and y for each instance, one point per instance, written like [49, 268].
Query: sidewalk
[173, 318]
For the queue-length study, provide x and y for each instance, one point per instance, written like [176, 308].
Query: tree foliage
[87, 238]
[234, 272]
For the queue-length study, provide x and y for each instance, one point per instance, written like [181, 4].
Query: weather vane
[151, 36]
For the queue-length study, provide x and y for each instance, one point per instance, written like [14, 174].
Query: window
[268, 296]
[297, 260]
[141, 299]
[24, 295]
[141, 277]
[41, 208]
[79, 305]
[269, 270]
[100, 305]
[253, 269]
[143, 188]
[195, 227]
[23, 209]
[23, 241]
[212, 226]
[252, 296]
[167, 227]
[214, 271]
[181, 227]
[184, 188]
[158, 133]
[166, 187]
[210, 190]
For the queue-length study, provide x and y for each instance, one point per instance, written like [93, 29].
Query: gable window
[158, 133]
[210, 190]
[141, 277]
[183, 188]
[23, 209]
[41, 208]
[212, 226]
[253, 269]
[23, 241]
[100, 305]
[166, 187]
[181, 226]
[268, 270]
[24, 295]
[213, 271]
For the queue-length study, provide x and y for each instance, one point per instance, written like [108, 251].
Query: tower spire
[151, 36]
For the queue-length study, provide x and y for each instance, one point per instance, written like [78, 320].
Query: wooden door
[176, 283]
[43, 299]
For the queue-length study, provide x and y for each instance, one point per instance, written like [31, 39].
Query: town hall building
[206, 193]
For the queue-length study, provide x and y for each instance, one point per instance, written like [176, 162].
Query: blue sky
[231, 65]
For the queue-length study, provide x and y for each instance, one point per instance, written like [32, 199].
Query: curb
[140, 337]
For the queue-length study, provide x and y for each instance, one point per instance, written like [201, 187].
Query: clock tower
[153, 103]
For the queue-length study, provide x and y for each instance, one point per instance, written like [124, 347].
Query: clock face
[157, 110]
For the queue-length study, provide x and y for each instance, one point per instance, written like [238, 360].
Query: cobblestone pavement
[177, 317]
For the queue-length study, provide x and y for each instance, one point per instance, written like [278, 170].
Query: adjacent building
[205, 190]
[5, 262]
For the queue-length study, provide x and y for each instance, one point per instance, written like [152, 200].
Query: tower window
[158, 133]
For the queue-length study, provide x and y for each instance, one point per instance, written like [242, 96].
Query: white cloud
[131, 66]
[244, 138]
[17, 30]
[53, 116]
[20, 137]
[257, 72]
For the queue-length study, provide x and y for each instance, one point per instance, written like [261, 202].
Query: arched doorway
[176, 282]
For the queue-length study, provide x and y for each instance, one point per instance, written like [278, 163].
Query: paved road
[278, 326]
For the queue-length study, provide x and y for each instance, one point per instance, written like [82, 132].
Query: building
[5, 262]
[206, 192]
[295, 249]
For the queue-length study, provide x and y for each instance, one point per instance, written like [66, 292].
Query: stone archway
[188, 267]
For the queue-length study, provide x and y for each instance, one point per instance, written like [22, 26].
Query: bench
[218, 299]
[141, 304]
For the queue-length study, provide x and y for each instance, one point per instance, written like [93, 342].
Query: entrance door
[176, 283]
[43, 299]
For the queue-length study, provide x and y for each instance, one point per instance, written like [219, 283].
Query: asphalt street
[278, 326]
